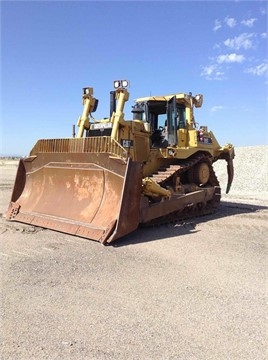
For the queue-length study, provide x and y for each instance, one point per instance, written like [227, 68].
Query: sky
[50, 50]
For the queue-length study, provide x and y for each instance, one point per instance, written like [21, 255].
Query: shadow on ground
[186, 227]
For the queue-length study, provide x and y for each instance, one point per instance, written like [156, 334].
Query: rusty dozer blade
[89, 195]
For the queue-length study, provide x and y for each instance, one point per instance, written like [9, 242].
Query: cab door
[172, 122]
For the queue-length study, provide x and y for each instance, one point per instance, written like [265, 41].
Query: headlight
[198, 100]
[117, 84]
[87, 91]
[121, 84]
[125, 83]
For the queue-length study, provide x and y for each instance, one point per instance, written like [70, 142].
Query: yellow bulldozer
[117, 174]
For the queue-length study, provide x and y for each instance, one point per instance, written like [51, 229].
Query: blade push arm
[90, 105]
[122, 96]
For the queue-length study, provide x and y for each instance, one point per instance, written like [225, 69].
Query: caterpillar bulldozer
[117, 174]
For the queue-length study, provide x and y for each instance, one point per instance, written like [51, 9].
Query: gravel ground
[193, 290]
[251, 173]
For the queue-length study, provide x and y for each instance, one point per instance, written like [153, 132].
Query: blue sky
[50, 50]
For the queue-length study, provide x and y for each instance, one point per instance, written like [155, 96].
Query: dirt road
[196, 290]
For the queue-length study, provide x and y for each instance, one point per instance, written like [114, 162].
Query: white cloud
[208, 70]
[230, 58]
[264, 35]
[259, 70]
[212, 72]
[217, 25]
[248, 22]
[231, 22]
[219, 75]
[241, 41]
[216, 108]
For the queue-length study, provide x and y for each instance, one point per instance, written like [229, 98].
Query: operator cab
[165, 116]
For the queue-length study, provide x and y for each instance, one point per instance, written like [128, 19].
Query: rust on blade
[129, 215]
[79, 194]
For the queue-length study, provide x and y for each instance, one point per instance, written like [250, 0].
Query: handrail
[96, 144]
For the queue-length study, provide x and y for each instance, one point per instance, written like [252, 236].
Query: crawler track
[166, 174]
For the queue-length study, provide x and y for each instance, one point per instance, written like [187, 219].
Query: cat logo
[126, 143]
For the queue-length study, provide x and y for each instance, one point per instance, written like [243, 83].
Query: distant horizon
[2, 156]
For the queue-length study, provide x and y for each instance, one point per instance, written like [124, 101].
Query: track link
[164, 174]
